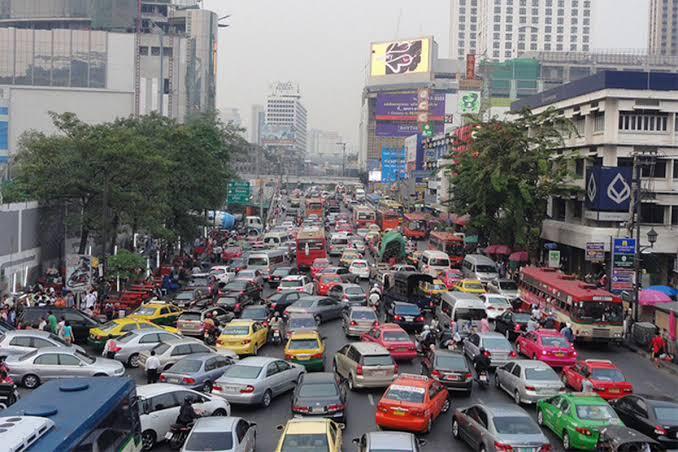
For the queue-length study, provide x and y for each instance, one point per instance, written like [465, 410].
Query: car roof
[369, 348]
[504, 409]
[360, 309]
[657, 400]
[548, 332]
[305, 334]
[154, 389]
[300, 315]
[241, 322]
[531, 363]
[390, 440]
[391, 326]
[257, 360]
[319, 377]
[492, 334]
[154, 305]
[420, 381]
[404, 303]
[600, 364]
[40, 333]
[306, 426]
[293, 278]
[43, 350]
[584, 397]
[215, 424]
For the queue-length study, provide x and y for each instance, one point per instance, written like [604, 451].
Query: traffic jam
[343, 322]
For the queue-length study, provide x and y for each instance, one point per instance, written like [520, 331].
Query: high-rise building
[503, 29]
[257, 122]
[324, 145]
[663, 30]
[285, 118]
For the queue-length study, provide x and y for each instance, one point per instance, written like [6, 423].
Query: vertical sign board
[623, 261]
[554, 259]
[392, 165]
[608, 193]
[470, 66]
[595, 252]
[4, 133]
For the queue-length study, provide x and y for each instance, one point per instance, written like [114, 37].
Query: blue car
[198, 371]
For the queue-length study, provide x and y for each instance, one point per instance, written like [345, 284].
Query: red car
[326, 282]
[549, 346]
[318, 265]
[412, 403]
[607, 380]
[232, 252]
[394, 339]
[451, 277]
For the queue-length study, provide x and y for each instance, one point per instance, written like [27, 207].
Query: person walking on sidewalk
[658, 348]
[152, 365]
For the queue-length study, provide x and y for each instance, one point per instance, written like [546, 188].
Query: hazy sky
[324, 46]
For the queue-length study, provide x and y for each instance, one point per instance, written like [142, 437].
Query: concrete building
[257, 121]
[619, 116]
[502, 29]
[286, 119]
[323, 145]
[663, 28]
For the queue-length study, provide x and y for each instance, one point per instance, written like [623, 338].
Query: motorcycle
[422, 345]
[9, 394]
[211, 337]
[483, 379]
[177, 435]
[374, 300]
[276, 336]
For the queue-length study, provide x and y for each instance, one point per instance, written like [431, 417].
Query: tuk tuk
[616, 438]
[406, 287]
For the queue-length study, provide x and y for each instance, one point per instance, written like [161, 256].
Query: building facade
[257, 121]
[285, 119]
[663, 28]
[503, 29]
[619, 117]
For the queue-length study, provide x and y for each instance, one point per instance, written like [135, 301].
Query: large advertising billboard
[277, 135]
[405, 106]
[392, 164]
[4, 134]
[407, 60]
[608, 189]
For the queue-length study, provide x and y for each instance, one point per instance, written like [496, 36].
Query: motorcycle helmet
[427, 328]
[188, 399]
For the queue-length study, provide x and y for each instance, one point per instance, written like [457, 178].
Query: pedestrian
[53, 323]
[60, 327]
[43, 324]
[628, 324]
[658, 348]
[485, 325]
[567, 332]
[152, 365]
[67, 333]
[586, 385]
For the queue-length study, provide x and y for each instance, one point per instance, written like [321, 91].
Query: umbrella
[668, 290]
[470, 239]
[551, 246]
[519, 256]
[498, 250]
[653, 298]
[462, 220]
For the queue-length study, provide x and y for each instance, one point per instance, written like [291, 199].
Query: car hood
[105, 363]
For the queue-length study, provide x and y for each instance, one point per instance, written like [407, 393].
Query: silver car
[528, 381]
[257, 379]
[172, 351]
[505, 287]
[20, 342]
[321, 308]
[49, 363]
[222, 434]
[126, 348]
[500, 349]
[358, 320]
[395, 441]
[485, 426]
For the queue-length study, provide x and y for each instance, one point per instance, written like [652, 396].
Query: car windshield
[438, 287]
[363, 315]
[473, 285]
[198, 282]
[354, 290]
[57, 339]
[359, 264]
[190, 316]
[242, 371]
[408, 309]
[257, 261]
[555, 342]
[318, 390]
[321, 263]
[541, 374]
[496, 343]
[238, 284]
[227, 301]
[595, 312]
[209, 441]
[236, 330]
[306, 442]
[340, 241]
[161, 348]
[281, 271]
[454, 362]
[329, 279]
[596, 412]
[291, 283]
[109, 326]
[515, 425]
[303, 303]
[396, 336]
[186, 366]
[85, 357]
[122, 339]
[410, 394]
[377, 360]
[300, 323]
[469, 314]
[607, 375]
[303, 344]
[666, 414]
[485, 269]
[145, 311]
[439, 262]
[520, 317]
[185, 295]
[508, 285]
[498, 301]
[254, 313]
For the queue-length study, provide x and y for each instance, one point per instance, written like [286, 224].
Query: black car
[188, 297]
[278, 302]
[320, 394]
[242, 287]
[449, 369]
[409, 316]
[279, 273]
[511, 324]
[653, 415]
[234, 302]
[80, 322]
[260, 313]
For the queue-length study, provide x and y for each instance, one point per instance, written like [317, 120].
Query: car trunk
[318, 405]
[190, 324]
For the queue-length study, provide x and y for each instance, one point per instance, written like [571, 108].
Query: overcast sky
[324, 46]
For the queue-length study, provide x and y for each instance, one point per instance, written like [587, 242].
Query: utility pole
[636, 264]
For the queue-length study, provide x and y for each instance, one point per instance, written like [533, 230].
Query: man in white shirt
[90, 300]
[152, 365]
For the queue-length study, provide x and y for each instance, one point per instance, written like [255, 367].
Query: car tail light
[375, 323]
[286, 313]
[162, 378]
[627, 389]
[279, 289]
[396, 369]
[488, 354]
[317, 356]
[659, 430]
[516, 328]
[501, 447]
[513, 354]
[216, 388]
[419, 319]
[188, 381]
[490, 308]
[436, 373]
[247, 389]
[113, 347]
[345, 298]
[359, 370]
[468, 376]
[544, 352]
[583, 431]
[288, 356]
[546, 448]
[337, 407]
[301, 409]
[530, 388]
[265, 324]
[354, 323]
[398, 318]
[245, 341]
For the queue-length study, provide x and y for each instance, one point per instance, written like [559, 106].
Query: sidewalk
[669, 367]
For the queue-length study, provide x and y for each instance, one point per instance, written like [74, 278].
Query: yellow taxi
[434, 288]
[306, 348]
[244, 337]
[473, 286]
[348, 256]
[321, 435]
[118, 327]
[158, 313]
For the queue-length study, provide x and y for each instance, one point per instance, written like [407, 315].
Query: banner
[78, 272]
[277, 135]
[470, 66]
[608, 189]
[397, 129]
[595, 252]
[401, 57]
[405, 107]
[392, 165]
[554, 259]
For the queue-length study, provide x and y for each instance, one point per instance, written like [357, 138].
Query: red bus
[415, 226]
[311, 245]
[449, 243]
[315, 206]
[362, 216]
[388, 219]
[595, 314]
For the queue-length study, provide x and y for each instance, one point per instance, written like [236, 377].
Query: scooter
[177, 435]
[211, 337]
[276, 336]
[483, 379]
[374, 300]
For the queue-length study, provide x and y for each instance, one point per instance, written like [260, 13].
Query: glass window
[21, 341]
[49, 359]
[68, 360]
[61, 63]
[24, 57]
[163, 402]
[114, 431]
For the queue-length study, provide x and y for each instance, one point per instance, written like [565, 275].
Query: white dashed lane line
[371, 399]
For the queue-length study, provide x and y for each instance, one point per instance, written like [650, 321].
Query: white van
[277, 238]
[455, 306]
[266, 261]
[434, 262]
[338, 243]
[359, 194]
[477, 266]
[254, 223]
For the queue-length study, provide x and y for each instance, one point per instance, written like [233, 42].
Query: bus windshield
[598, 312]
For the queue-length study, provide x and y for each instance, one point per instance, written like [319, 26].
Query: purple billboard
[404, 107]
[401, 129]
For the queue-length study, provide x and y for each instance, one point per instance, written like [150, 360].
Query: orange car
[412, 403]
[326, 281]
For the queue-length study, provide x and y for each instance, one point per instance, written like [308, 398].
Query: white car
[495, 305]
[296, 283]
[159, 406]
[221, 434]
[223, 273]
[360, 268]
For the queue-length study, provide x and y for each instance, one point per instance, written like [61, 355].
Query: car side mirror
[280, 427]
[356, 441]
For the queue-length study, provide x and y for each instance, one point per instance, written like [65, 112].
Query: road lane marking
[371, 399]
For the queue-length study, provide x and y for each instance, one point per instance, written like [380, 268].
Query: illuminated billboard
[395, 61]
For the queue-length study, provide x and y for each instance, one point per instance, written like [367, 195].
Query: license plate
[401, 349]
[399, 413]
[560, 355]
[379, 373]
[173, 380]
[229, 388]
[408, 318]
[317, 410]
[303, 357]
[168, 435]
[614, 391]
[451, 377]
[483, 378]
[526, 449]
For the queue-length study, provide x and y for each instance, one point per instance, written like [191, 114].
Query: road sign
[595, 251]
[239, 192]
[554, 259]
[623, 261]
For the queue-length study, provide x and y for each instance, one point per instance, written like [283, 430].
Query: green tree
[505, 174]
[126, 264]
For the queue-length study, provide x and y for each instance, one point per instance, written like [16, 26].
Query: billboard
[404, 129]
[608, 189]
[623, 262]
[374, 176]
[405, 107]
[469, 102]
[4, 134]
[277, 135]
[401, 57]
[392, 164]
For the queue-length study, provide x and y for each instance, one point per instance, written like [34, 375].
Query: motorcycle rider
[187, 414]
[276, 323]
[375, 289]
[426, 338]
[481, 362]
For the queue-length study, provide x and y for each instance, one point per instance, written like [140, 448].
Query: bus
[311, 245]
[315, 206]
[362, 216]
[373, 199]
[76, 414]
[595, 314]
[449, 243]
[388, 219]
[415, 226]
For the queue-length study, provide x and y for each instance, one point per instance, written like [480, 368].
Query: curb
[668, 367]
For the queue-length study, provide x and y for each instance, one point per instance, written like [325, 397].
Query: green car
[576, 418]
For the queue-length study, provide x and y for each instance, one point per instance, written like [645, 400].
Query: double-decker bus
[450, 243]
[595, 314]
[75, 414]
[388, 219]
[362, 216]
[415, 226]
[315, 206]
[311, 245]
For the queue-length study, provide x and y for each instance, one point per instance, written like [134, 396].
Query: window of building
[522, 11]
[579, 166]
[507, 54]
[521, 37]
[533, 37]
[577, 209]
[549, 12]
[675, 169]
[535, 11]
[473, 27]
[558, 209]
[509, 10]
[559, 47]
[533, 46]
[573, 47]
[509, 27]
[497, 27]
[674, 215]
[559, 38]
[643, 121]
[574, 21]
[521, 46]
[547, 46]
[535, 20]
[579, 124]
[473, 44]
[509, 36]
[497, 9]
[547, 38]
[508, 45]
[658, 170]
[599, 121]
[495, 44]
[143, 50]
[497, 36]
[547, 20]
[561, 12]
[651, 213]
[495, 54]
[548, 29]
[497, 18]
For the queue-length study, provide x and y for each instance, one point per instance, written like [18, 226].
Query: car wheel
[318, 319]
[496, 381]
[540, 417]
[566, 441]
[31, 381]
[100, 375]
[516, 397]
[148, 439]
[207, 387]
[429, 424]
[446, 406]
[266, 400]
[455, 429]
[133, 361]
[220, 412]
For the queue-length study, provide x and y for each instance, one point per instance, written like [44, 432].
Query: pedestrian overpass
[304, 180]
